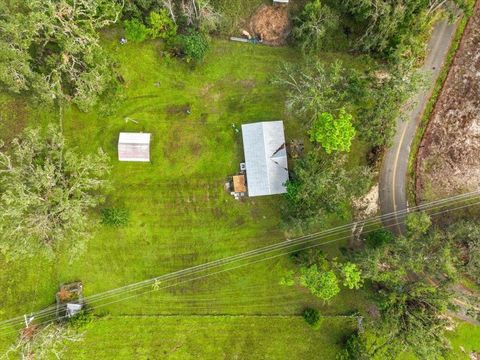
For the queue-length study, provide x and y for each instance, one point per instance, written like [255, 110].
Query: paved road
[393, 175]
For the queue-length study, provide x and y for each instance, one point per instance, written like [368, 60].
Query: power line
[49, 311]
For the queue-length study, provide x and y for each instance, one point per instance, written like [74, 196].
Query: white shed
[134, 147]
[280, 1]
[265, 158]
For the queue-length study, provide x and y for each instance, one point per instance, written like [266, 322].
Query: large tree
[46, 191]
[394, 28]
[334, 134]
[410, 276]
[311, 27]
[51, 49]
[323, 185]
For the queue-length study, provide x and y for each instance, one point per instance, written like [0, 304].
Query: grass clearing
[190, 337]
[180, 216]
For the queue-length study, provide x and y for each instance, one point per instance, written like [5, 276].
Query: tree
[51, 48]
[312, 26]
[193, 46]
[418, 223]
[352, 276]
[323, 284]
[466, 237]
[135, 30]
[45, 342]
[411, 306]
[333, 134]
[316, 88]
[394, 29]
[411, 321]
[312, 317]
[46, 191]
[322, 185]
[383, 99]
[378, 238]
[162, 25]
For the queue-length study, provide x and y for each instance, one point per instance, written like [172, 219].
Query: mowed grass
[190, 337]
[180, 214]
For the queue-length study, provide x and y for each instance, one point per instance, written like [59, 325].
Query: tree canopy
[334, 134]
[51, 49]
[321, 185]
[410, 275]
[312, 26]
[46, 191]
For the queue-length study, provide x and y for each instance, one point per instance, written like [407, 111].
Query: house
[265, 158]
[134, 147]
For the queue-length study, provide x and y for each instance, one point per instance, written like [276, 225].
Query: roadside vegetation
[75, 74]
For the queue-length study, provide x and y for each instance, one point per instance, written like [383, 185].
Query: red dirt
[271, 23]
[448, 161]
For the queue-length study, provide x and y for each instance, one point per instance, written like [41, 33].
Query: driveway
[393, 174]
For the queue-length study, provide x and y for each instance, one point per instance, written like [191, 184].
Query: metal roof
[134, 147]
[265, 158]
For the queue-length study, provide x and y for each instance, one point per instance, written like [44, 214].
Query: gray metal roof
[265, 157]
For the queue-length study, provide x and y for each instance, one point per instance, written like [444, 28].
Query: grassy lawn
[189, 337]
[180, 214]
[466, 336]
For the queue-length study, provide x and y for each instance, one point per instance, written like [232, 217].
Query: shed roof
[134, 147]
[265, 157]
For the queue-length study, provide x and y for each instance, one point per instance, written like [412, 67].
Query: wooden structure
[239, 185]
[69, 300]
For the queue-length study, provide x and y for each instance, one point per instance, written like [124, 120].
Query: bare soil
[448, 161]
[270, 23]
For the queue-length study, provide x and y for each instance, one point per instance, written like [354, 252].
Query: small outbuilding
[134, 147]
[265, 158]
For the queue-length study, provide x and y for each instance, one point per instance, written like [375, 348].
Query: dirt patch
[448, 160]
[13, 119]
[271, 24]
[196, 149]
[367, 206]
[179, 110]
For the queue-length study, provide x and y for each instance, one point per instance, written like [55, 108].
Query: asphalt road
[393, 174]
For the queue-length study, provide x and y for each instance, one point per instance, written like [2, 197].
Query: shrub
[378, 238]
[162, 25]
[312, 317]
[333, 134]
[193, 45]
[81, 320]
[135, 30]
[116, 217]
[313, 25]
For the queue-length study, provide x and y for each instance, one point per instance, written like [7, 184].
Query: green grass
[465, 336]
[282, 337]
[180, 216]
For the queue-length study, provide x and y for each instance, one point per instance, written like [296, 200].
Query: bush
[378, 238]
[162, 25]
[135, 30]
[312, 317]
[314, 24]
[81, 320]
[116, 217]
[334, 134]
[193, 45]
